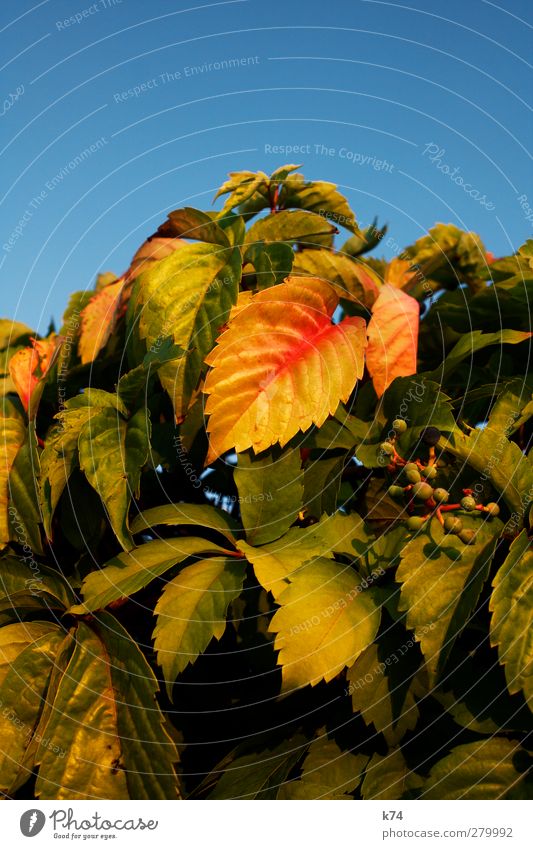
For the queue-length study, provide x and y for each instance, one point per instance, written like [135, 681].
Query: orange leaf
[281, 366]
[98, 320]
[398, 273]
[29, 365]
[392, 337]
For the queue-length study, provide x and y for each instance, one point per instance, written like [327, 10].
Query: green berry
[410, 467]
[468, 503]
[422, 491]
[429, 472]
[414, 523]
[396, 491]
[399, 425]
[453, 525]
[492, 509]
[441, 495]
[387, 447]
[467, 536]
[413, 476]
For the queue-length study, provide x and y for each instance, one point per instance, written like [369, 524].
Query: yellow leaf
[29, 365]
[325, 620]
[281, 366]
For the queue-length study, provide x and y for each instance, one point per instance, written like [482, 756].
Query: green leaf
[372, 689]
[491, 454]
[82, 723]
[471, 343]
[135, 385]
[17, 577]
[352, 280]
[12, 437]
[270, 488]
[190, 223]
[275, 563]
[327, 773]
[322, 480]
[240, 187]
[59, 458]
[511, 627]
[441, 581]
[24, 513]
[325, 620]
[188, 296]
[482, 770]
[15, 638]
[389, 777]
[130, 571]
[13, 333]
[318, 196]
[148, 753]
[199, 515]
[22, 693]
[421, 403]
[112, 453]
[260, 775]
[272, 262]
[192, 610]
[288, 227]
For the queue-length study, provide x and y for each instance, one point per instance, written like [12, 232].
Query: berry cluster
[413, 487]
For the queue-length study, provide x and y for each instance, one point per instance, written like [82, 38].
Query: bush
[264, 512]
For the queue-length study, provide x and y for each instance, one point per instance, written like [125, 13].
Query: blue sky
[387, 99]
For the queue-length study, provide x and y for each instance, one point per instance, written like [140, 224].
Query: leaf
[481, 770]
[240, 187]
[193, 224]
[135, 385]
[260, 775]
[471, 343]
[29, 368]
[24, 513]
[318, 196]
[441, 581]
[13, 333]
[288, 226]
[98, 321]
[322, 481]
[324, 622]
[192, 610]
[270, 491]
[389, 777]
[18, 577]
[187, 296]
[272, 262]
[274, 564]
[22, 693]
[112, 453]
[352, 280]
[511, 627]
[12, 436]
[130, 571]
[327, 773]
[17, 637]
[372, 691]
[392, 337]
[421, 403]
[280, 367]
[199, 515]
[148, 753]
[82, 723]
[497, 459]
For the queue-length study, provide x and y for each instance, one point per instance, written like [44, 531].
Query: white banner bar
[267, 825]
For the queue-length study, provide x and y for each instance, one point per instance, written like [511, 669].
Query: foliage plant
[265, 515]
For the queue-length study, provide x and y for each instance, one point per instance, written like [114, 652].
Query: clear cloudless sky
[363, 87]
